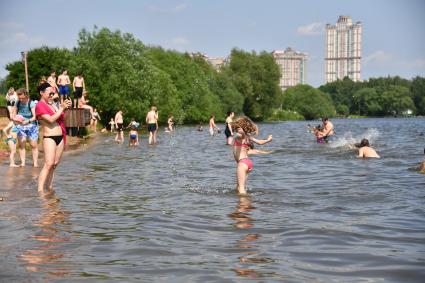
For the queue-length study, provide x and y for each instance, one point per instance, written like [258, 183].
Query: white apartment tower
[343, 50]
[292, 65]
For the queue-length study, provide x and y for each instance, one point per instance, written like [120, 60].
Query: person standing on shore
[78, 86]
[63, 82]
[11, 99]
[54, 134]
[119, 124]
[152, 121]
[26, 127]
[10, 132]
[52, 81]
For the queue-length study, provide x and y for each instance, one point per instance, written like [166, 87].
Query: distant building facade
[343, 50]
[216, 62]
[293, 67]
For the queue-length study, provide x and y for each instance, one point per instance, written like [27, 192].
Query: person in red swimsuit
[243, 131]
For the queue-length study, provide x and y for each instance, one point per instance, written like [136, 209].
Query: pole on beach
[24, 55]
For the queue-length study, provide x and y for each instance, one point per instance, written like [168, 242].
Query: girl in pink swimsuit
[243, 130]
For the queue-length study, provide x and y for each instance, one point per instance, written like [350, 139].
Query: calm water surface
[168, 213]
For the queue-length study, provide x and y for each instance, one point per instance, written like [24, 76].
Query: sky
[393, 40]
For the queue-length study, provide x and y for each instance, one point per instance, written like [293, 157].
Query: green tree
[418, 94]
[308, 101]
[256, 77]
[40, 63]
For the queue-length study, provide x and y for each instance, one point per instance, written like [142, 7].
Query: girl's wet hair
[245, 124]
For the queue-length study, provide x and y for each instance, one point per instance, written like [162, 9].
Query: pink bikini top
[237, 143]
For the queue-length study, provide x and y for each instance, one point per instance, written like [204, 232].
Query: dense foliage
[122, 73]
[390, 96]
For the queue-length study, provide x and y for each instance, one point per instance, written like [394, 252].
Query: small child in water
[112, 124]
[366, 151]
[133, 136]
[243, 130]
[10, 133]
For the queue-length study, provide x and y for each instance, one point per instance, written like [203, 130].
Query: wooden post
[24, 58]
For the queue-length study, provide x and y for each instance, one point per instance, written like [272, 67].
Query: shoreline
[73, 144]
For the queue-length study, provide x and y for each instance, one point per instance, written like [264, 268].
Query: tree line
[122, 73]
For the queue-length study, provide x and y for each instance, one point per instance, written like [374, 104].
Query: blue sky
[393, 30]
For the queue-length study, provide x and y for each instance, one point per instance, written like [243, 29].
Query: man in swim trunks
[327, 132]
[78, 87]
[152, 122]
[119, 123]
[63, 82]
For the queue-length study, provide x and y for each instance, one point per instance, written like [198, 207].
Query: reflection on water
[169, 213]
[47, 254]
[243, 220]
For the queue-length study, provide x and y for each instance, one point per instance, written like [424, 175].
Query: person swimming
[365, 150]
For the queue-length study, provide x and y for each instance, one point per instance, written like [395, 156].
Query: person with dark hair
[54, 133]
[213, 126]
[366, 151]
[78, 86]
[23, 114]
[63, 82]
[11, 99]
[52, 81]
[228, 131]
[327, 131]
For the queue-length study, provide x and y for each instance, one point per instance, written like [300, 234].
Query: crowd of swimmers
[26, 115]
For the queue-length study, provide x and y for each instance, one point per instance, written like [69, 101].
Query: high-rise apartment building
[293, 67]
[343, 50]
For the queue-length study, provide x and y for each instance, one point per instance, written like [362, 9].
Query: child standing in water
[133, 136]
[243, 130]
[10, 133]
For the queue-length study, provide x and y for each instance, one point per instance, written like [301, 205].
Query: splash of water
[348, 140]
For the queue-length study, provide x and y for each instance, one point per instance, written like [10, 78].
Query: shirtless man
[365, 151]
[52, 81]
[119, 124]
[152, 121]
[78, 86]
[213, 126]
[63, 82]
[328, 130]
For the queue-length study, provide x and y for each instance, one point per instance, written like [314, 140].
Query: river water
[169, 213]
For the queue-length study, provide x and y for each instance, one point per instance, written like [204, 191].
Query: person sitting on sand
[366, 151]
